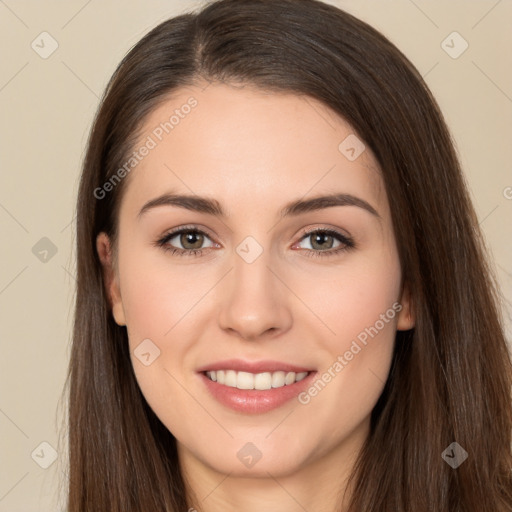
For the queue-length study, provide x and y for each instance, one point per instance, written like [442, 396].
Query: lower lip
[255, 401]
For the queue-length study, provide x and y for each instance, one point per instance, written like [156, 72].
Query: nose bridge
[254, 303]
[251, 274]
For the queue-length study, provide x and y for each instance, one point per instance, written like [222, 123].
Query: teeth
[244, 380]
[230, 378]
[260, 381]
[278, 379]
[263, 380]
[290, 378]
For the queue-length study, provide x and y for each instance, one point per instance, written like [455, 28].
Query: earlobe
[110, 279]
[406, 317]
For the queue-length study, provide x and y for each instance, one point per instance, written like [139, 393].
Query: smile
[258, 381]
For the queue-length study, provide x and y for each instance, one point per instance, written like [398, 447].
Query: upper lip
[253, 366]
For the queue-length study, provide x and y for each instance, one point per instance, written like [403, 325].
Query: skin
[255, 151]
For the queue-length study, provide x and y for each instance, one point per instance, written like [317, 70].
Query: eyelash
[347, 242]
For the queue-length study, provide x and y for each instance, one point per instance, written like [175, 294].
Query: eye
[322, 242]
[190, 238]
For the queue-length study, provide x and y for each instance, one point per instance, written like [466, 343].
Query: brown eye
[326, 242]
[191, 240]
[186, 241]
[321, 240]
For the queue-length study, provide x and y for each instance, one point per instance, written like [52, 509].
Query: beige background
[47, 107]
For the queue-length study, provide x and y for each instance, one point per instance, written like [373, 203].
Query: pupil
[194, 239]
[318, 239]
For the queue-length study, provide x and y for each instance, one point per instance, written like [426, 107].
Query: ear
[110, 278]
[406, 317]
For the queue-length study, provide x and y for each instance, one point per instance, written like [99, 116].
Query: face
[253, 282]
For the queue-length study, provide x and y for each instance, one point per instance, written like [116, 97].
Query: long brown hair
[451, 376]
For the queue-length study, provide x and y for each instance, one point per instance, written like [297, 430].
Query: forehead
[233, 141]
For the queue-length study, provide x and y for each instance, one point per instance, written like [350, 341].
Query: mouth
[258, 381]
[257, 387]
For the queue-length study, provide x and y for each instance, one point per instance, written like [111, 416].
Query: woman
[283, 301]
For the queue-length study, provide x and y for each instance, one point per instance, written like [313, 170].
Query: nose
[255, 303]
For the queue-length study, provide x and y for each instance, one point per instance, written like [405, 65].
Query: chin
[255, 459]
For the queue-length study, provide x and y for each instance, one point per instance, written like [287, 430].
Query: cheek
[352, 298]
[158, 307]
[157, 295]
[162, 303]
[360, 306]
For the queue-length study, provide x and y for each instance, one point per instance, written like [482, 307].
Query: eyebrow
[213, 207]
